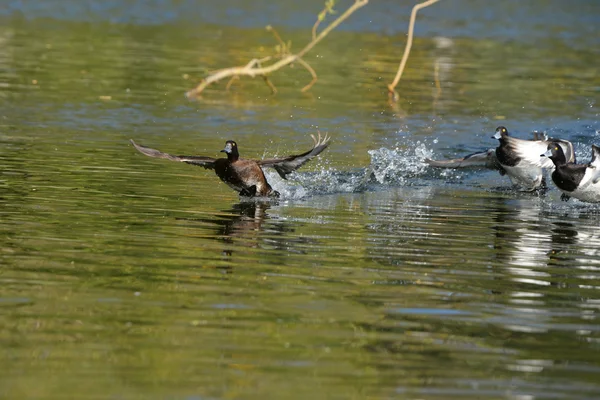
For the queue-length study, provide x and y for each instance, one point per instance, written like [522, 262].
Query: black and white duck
[518, 158]
[581, 181]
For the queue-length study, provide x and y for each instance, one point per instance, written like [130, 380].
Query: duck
[581, 181]
[517, 158]
[245, 176]
[521, 158]
[480, 159]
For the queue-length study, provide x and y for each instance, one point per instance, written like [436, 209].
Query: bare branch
[253, 67]
[312, 72]
[321, 17]
[314, 28]
[270, 84]
[277, 37]
[411, 27]
[233, 78]
[436, 77]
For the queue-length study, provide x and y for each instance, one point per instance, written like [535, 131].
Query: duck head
[501, 132]
[231, 149]
[555, 153]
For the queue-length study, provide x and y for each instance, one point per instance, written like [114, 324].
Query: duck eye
[503, 129]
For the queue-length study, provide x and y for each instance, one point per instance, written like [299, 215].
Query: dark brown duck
[243, 175]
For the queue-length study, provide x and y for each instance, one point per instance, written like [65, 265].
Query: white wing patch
[531, 150]
[595, 165]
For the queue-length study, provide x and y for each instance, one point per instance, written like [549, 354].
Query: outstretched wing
[289, 164]
[206, 162]
[530, 150]
[483, 159]
[595, 164]
[567, 146]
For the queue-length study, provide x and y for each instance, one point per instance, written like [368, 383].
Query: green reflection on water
[127, 277]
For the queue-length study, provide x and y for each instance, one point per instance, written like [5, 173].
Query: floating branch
[411, 27]
[254, 67]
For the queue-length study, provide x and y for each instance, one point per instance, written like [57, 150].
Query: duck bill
[227, 148]
[548, 153]
[497, 135]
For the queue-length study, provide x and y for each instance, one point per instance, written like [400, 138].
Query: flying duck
[581, 181]
[243, 175]
[517, 158]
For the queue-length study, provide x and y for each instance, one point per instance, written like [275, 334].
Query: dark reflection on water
[372, 277]
[244, 225]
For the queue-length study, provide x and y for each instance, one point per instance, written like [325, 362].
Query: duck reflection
[248, 225]
[564, 236]
[522, 236]
[542, 252]
[241, 224]
[246, 222]
[532, 236]
[575, 244]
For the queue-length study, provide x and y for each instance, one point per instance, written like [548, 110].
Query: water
[374, 276]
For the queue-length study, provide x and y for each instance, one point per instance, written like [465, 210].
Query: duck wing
[529, 150]
[206, 162]
[567, 147]
[286, 165]
[595, 164]
[481, 159]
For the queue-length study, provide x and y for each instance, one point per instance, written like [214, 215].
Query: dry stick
[312, 72]
[314, 28]
[277, 37]
[285, 50]
[411, 27]
[328, 9]
[270, 84]
[250, 70]
[233, 78]
[436, 77]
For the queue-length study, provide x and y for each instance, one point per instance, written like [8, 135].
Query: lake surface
[374, 276]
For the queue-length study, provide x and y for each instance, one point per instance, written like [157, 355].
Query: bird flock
[525, 162]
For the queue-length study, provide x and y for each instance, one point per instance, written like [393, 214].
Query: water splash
[325, 181]
[388, 167]
[398, 166]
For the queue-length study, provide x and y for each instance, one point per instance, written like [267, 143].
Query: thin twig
[312, 72]
[411, 27]
[233, 78]
[314, 28]
[277, 37]
[329, 4]
[270, 84]
[251, 69]
[436, 77]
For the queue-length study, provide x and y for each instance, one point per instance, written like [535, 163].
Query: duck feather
[286, 165]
